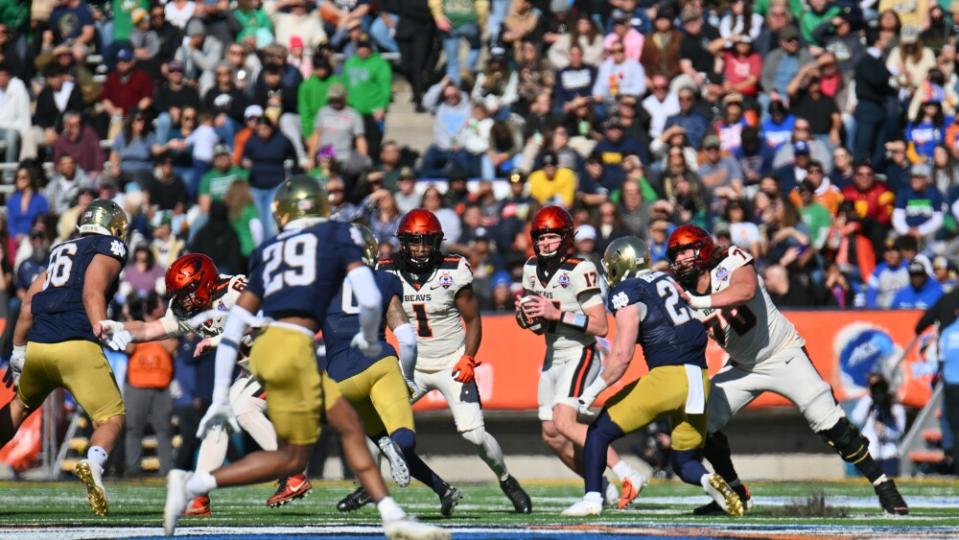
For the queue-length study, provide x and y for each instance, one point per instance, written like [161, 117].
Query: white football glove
[219, 413]
[15, 366]
[366, 347]
[111, 327]
[120, 340]
[585, 401]
[415, 391]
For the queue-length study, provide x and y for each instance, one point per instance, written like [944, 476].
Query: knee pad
[847, 440]
[405, 439]
[475, 435]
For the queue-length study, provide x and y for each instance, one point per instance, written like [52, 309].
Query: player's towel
[696, 395]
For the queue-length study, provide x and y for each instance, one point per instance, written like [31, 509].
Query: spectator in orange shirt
[250, 115]
[825, 193]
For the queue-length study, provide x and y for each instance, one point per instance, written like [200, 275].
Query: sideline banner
[845, 347]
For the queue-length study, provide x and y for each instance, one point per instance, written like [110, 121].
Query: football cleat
[408, 528]
[632, 486]
[725, 497]
[290, 489]
[198, 507]
[587, 506]
[610, 493]
[713, 509]
[398, 468]
[91, 475]
[515, 493]
[176, 499]
[890, 498]
[451, 497]
[354, 501]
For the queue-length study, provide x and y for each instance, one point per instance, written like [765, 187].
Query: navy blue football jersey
[58, 312]
[296, 273]
[668, 332]
[343, 322]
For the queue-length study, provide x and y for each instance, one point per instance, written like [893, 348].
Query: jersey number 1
[422, 322]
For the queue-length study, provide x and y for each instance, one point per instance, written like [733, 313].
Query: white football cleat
[590, 505]
[177, 499]
[610, 493]
[407, 528]
[91, 475]
[725, 497]
[632, 486]
[398, 468]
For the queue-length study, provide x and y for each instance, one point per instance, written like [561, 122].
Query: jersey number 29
[298, 253]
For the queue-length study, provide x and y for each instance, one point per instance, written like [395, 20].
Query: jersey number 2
[298, 254]
[677, 313]
[61, 263]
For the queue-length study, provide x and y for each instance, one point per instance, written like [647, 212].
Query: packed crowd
[817, 135]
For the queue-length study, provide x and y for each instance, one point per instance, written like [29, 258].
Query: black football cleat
[448, 501]
[354, 501]
[515, 493]
[890, 499]
[713, 508]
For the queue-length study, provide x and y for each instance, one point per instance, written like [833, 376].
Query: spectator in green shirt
[244, 217]
[312, 94]
[816, 217]
[369, 82]
[215, 182]
[255, 24]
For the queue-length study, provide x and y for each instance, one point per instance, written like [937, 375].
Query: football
[535, 324]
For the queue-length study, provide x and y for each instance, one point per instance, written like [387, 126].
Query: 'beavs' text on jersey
[297, 272]
[343, 322]
[668, 332]
[431, 306]
[176, 322]
[58, 311]
[575, 281]
[754, 331]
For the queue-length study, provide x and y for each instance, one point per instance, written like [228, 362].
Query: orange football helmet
[695, 238]
[191, 282]
[552, 220]
[419, 227]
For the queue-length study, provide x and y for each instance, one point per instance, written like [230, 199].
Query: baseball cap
[711, 141]
[734, 97]
[620, 16]
[585, 232]
[296, 41]
[138, 15]
[920, 169]
[195, 28]
[175, 65]
[125, 54]
[407, 172]
[502, 277]
[691, 13]
[940, 262]
[336, 91]
[550, 159]
[917, 268]
[364, 41]
[253, 111]
[801, 148]
[516, 176]
[788, 33]
[221, 150]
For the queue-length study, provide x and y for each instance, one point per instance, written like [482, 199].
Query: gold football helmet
[624, 258]
[103, 216]
[301, 196]
[371, 246]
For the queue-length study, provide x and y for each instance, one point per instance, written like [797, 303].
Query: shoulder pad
[570, 263]
[385, 264]
[530, 262]
[452, 261]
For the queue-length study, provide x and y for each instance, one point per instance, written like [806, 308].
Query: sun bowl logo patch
[563, 280]
[722, 274]
[446, 280]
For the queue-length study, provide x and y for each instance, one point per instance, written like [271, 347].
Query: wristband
[700, 302]
[577, 321]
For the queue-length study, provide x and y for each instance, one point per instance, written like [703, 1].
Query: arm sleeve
[369, 298]
[237, 322]
[407, 341]
[899, 221]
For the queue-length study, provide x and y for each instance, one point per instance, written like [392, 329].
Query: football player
[375, 385]
[438, 298]
[293, 277]
[563, 300]
[56, 341]
[649, 311]
[195, 286]
[766, 354]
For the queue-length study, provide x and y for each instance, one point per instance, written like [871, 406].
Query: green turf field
[663, 509]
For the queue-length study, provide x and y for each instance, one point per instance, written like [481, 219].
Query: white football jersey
[431, 308]
[228, 291]
[575, 281]
[754, 331]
